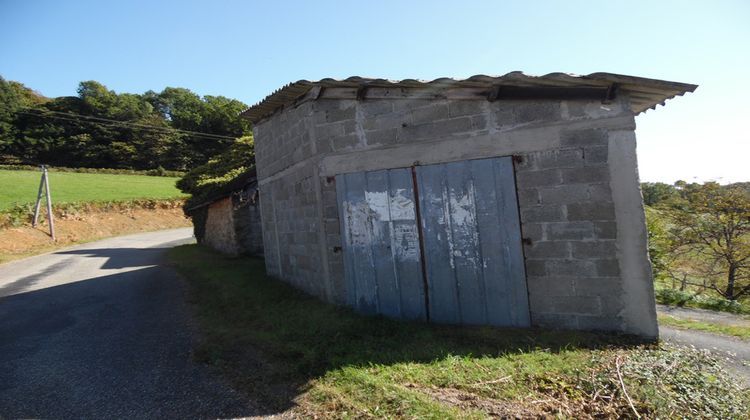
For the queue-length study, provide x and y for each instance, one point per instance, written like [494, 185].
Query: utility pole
[44, 185]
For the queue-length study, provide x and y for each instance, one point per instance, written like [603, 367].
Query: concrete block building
[506, 201]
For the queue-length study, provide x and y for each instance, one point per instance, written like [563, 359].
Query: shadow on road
[121, 257]
[116, 345]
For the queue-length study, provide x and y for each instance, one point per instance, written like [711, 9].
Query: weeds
[288, 350]
[23, 214]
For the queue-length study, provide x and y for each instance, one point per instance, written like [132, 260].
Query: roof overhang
[644, 93]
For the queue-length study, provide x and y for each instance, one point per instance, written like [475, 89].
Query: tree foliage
[655, 193]
[219, 171]
[708, 244]
[174, 129]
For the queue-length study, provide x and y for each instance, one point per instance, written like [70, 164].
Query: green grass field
[20, 187]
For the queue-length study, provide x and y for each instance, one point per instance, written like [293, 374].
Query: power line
[68, 116]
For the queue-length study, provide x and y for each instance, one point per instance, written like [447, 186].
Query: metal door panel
[497, 212]
[436, 237]
[357, 239]
[405, 245]
[470, 220]
[513, 270]
[471, 240]
[381, 245]
[467, 258]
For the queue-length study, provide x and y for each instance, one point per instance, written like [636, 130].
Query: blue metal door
[472, 243]
[381, 244]
[465, 264]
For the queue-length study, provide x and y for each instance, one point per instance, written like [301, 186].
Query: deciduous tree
[711, 224]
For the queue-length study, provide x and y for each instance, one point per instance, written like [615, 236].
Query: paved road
[713, 317]
[733, 351]
[102, 331]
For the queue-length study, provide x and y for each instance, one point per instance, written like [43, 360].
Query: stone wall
[247, 224]
[581, 236]
[219, 231]
[233, 225]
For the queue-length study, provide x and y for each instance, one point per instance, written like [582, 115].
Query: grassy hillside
[20, 187]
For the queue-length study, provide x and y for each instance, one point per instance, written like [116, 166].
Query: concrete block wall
[291, 227]
[334, 256]
[284, 141]
[586, 263]
[570, 231]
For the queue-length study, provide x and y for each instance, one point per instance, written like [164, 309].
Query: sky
[247, 49]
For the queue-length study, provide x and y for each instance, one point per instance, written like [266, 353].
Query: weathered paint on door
[474, 272]
[381, 245]
[472, 243]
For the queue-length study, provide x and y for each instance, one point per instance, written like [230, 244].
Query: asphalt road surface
[102, 331]
[733, 351]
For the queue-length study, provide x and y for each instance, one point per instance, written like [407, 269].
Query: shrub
[719, 304]
[681, 298]
[673, 297]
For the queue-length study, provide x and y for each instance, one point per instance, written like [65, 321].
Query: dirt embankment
[19, 242]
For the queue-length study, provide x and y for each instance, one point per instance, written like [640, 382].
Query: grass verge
[22, 215]
[288, 350]
[689, 324]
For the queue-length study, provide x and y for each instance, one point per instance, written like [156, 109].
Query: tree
[14, 98]
[175, 129]
[711, 225]
[659, 243]
[655, 193]
[219, 170]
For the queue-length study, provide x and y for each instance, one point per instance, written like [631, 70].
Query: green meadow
[20, 187]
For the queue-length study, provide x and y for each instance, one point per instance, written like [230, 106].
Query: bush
[719, 304]
[18, 215]
[673, 297]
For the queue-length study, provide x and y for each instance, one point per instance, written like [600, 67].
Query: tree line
[699, 236]
[174, 129]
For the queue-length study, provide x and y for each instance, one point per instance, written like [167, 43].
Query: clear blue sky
[246, 49]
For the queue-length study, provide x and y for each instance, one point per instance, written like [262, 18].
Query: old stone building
[508, 201]
[228, 220]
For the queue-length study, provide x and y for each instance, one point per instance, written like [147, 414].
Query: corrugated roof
[644, 93]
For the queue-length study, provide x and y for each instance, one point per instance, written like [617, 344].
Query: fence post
[50, 217]
[44, 184]
[39, 197]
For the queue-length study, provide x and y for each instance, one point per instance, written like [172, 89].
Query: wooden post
[44, 184]
[50, 217]
[39, 198]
